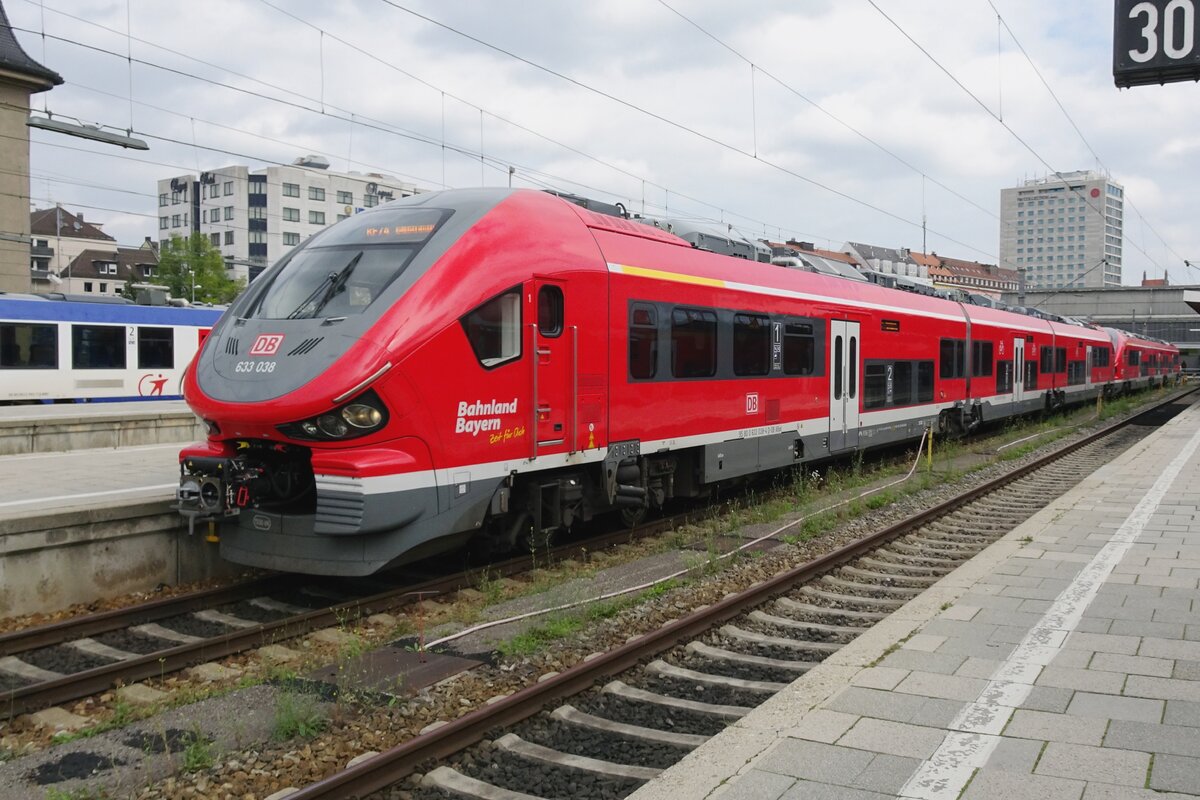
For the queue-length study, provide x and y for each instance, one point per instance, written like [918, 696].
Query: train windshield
[348, 266]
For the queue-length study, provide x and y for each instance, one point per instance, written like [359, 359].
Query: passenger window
[550, 311]
[98, 346]
[853, 364]
[1031, 374]
[643, 342]
[837, 368]
[981, 359]
[799, 349]
[902, 383]
[156, 348]
[494, 329]
[751, 344]
[28, 346]
[952, 356]
[924, 381]
[693, 343]
[875, 385]
[1004, 375]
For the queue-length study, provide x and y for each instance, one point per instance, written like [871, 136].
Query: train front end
[315, 455]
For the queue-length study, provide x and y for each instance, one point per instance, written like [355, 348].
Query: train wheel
[633, 517]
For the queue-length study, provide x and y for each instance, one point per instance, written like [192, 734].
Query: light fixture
[84, 131]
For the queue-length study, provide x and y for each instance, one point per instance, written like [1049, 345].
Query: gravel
[186, 623]
[9, 682]
[172, 740]
[731, 669]
[132, 642]
[619, 709]
[517, 774]
[66, 660]
[687, 690]
[597, 744]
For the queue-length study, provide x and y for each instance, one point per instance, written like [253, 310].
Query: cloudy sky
[814, 119]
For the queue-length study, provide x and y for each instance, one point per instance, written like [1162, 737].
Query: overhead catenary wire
[356, 118]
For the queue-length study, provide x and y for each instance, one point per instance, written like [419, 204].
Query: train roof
[67, 309]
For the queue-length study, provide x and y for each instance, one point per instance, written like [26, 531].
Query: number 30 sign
[1155, 41]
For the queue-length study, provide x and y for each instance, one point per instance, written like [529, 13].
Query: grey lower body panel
[356, 534]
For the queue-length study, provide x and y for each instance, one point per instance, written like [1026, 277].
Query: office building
[255, 216]
[1064, 231]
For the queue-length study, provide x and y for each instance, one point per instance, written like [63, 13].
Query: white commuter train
[55, 348]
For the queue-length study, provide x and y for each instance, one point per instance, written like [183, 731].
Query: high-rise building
[1064, 231]
[256, 216]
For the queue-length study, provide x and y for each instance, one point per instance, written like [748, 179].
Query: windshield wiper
[327, 289]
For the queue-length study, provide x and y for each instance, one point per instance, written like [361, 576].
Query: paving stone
[1015, 755]
[960, 612]
[876, 703]
[879, 677]
[1106, 791]
[1162, 688]
[937, 713]
[1166, 630]
[822, 725]
[139, 694]
[947, 687]
[210, 672]
[1048, 698]
[1171, 648]
[282, 793]
[383, 620]
[1175, 774]
[924, 642]
[809, 790]
[1177, 740]
[1182, 712]
[886, 773]
[994, 784]
[1085, 680]
[1134, 665]
[894, 738]
[1103, 642]
[1055, 727]
[1187, 670]
[758, 785]
[360, 758]
[943, 663]
[1107, 765]
[58, 719]
[814, 761]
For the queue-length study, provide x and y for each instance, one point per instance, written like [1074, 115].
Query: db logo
[752, 403]
[267, 344]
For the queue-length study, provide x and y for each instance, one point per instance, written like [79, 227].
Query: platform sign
[1156, 41]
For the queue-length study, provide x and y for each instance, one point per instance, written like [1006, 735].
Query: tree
[183, 263]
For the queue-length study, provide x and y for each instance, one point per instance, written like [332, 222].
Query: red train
[498, 364]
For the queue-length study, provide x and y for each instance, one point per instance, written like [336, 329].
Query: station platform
[1063, 662]
[95, 522]
[41, 428]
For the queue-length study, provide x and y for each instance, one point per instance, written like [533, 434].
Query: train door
[844, 379]
[1087, 365]
[1018, 369]
[553, 346]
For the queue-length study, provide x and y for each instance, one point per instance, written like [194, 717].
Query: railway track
[78, 657]
[622, 717]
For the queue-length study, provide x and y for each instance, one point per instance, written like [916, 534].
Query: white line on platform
[86, 495]
[974, 733]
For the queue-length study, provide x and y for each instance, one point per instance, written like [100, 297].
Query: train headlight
[333, 426]
[361, 416]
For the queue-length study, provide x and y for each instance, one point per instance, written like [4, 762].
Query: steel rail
[390, 766]
[23, 699]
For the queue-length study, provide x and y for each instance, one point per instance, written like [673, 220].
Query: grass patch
[297, 715]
